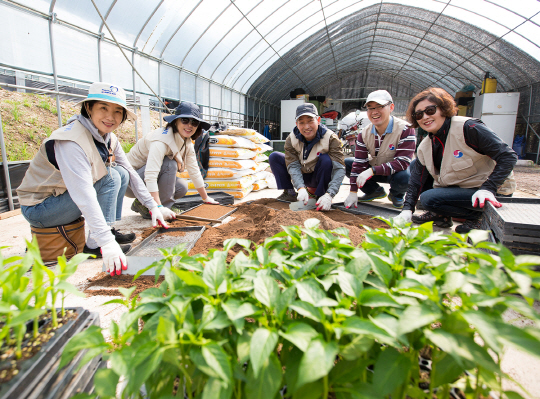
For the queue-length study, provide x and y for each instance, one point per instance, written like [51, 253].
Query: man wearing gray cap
[384, 150]
[313, 162]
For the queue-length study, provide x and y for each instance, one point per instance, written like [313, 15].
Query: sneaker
[285, 196]
[468, 226]
[136, 206]
[396, 202]
[123, 238]
[97, 251]
[438, 220]
[379, 193]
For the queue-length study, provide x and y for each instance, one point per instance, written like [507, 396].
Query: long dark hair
[88, 105]
[195, 135]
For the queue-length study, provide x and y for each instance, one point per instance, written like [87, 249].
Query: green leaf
[358, 347]
[444, 370]
[165, 332]
[191, 278]
[266, 291]
[217, 389]
[309, 291]
[285, 299]
[217, 359]
[381, 269]
[68, 287]
[350, 284]
[214, 270]
[360, 265]
[317, 361]
[391, 370]
[312, 223]
[196, 356]
[486, 327]
[300, 334]
[414, 317]
[414, 255]
[520, 338]
[236, 309]
[374, 298]
[512, 395]
[105, 382]
[263, 343]
[356, 325]
[266, 385]
[262, 255]
[307, 310]
[218, 322]
[26, 315]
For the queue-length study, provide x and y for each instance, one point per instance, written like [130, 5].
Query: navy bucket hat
[187, 109]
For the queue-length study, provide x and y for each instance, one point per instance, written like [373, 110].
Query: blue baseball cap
[187, 109]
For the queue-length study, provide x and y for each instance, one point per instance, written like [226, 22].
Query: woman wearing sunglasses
[461, 164]
[160, 154]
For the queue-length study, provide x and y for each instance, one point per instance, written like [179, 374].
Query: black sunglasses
[429, 111]
[193, 122]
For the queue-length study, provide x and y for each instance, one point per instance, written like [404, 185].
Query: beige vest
[42, 179]
[389, 145]
[461, 165]
[138, 155]
[321, 147]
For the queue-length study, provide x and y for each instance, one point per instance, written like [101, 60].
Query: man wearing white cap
[384, 150]
[81, 169]
[313, 161]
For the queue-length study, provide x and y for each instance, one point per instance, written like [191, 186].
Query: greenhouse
[270, 199]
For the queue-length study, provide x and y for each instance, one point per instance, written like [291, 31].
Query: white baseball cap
[109, 93]
[381, 97]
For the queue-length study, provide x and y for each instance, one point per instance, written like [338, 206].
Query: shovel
[299, 205]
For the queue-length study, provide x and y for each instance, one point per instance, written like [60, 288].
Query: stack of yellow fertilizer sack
[237, 163]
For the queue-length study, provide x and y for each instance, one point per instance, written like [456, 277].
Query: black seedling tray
[516, 224]
[368, 209]
[190, 201]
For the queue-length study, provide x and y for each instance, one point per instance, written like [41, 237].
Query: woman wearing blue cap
[160, 154]
[82, 169]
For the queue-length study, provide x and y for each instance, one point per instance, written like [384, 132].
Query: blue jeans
[399, 181]
[320, 178]
[61, 210]
[451, 201]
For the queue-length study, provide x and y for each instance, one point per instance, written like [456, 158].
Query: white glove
[363, 177]
[481, 196]
[303, 195]
[351, 200]
[157, 217]
[210, 200]
[114, 258]
[167, 213]
[324, 203]
[403, 217]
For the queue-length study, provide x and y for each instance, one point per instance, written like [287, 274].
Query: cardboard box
[304, 97]
[460, 94]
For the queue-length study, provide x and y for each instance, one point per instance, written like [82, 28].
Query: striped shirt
[403, 157]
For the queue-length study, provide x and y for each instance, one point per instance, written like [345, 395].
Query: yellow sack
[240, 183]
[238, 131]
[220, 173]
[257, 138]
[232, 163]
[231, 141]
[236, 153]
[259, 185]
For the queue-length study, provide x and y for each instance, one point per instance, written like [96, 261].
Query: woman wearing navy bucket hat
[160, 154]
[82, 169]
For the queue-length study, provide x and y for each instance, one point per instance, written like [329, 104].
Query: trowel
[299, 205]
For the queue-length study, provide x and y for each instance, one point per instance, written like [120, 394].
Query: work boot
[285, 196]
[123, 238]
[438, 220]
[469, 225]
[140, 208]
[396, 202]
[97, 251]
[379, 193]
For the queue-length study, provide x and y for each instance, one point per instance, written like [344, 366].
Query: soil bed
[172, 223]
[259, 220]
[104, 284]
[209, 211]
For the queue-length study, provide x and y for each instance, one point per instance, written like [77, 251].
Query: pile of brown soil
[259, 220]
[105, 280]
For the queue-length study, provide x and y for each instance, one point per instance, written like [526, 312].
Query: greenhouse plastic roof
[266, 48]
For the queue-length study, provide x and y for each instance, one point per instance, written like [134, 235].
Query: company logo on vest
[112, 90]
[392, 147]
[458, 154]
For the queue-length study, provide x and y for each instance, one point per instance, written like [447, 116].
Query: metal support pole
[5, 166]
[179, 86]
[196, 90]
[159, 90]
[100, 38]
[529, 120]
[231, 107]
[52, 20]
[210, 101]
[134, 93]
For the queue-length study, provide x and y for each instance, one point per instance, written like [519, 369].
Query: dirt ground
[528, 179]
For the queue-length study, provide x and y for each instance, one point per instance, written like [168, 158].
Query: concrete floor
[14, 231]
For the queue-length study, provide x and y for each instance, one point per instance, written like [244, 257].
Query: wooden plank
[9, 214]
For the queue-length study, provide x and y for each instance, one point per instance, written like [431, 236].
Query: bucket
[489, 84]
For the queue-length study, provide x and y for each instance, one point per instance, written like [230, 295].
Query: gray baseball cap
[381, 97]
[306, 109]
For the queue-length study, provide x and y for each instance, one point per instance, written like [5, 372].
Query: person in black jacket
[461, 164]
